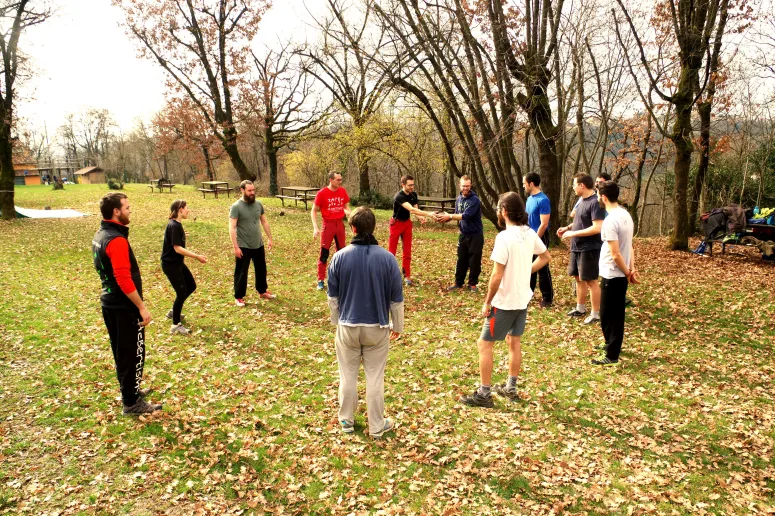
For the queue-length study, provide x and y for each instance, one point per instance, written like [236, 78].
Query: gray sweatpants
[370, 345]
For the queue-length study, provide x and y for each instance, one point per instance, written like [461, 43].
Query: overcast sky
[82, 58]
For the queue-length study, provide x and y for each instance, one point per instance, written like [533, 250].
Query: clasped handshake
[439, 216]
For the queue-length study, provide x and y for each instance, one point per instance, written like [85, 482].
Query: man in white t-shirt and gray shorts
[508, 294]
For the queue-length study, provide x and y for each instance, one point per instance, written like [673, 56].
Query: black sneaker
[545, 304]
[452, 288]
[477, 400]
[141, 407]
[510, 394]
[603, 361]
[576, 313]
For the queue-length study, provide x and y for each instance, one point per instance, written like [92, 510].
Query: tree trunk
[208, 163]
[271, 154]
[6, 171]
[639, 178]
[230, 146]
[544, 133]
[682, 139]
[704, 109]
[362, 159]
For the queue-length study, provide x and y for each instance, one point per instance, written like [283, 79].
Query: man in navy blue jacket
[468, 210]
[364, 294]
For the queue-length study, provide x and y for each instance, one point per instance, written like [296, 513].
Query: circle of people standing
[365, 287]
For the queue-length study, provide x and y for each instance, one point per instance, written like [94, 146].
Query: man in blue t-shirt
[539, 209]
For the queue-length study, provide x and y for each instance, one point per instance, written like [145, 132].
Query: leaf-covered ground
[683, 425]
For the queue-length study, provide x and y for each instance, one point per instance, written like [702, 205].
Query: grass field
[684, 424]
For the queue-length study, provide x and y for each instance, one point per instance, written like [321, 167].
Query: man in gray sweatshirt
[364, 294]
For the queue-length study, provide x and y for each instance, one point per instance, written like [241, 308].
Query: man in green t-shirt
[247, 242]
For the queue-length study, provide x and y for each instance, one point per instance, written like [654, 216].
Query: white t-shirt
[515, 248]
[616, 226]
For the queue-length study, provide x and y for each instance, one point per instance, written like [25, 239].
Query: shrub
[115, 184]
[372, 199]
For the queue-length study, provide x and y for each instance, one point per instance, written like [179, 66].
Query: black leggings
[183, 282]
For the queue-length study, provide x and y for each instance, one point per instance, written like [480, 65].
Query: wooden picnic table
[214, 187]
[297, 193]
[160, 184]
[446, 204]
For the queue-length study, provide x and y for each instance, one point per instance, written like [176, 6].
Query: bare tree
[692, 25]
[86, 135]
[347, 64]
[204, 47]
[283, 101]
[15, 17]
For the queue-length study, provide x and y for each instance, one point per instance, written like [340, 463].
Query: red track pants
[333, 230]
[402, 229]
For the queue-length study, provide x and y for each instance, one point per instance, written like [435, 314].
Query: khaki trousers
[370, 345]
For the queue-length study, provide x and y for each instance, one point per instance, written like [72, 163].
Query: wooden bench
[709, 245]
[215, 191]
[161, 187]
[436, 207]
[295, 198]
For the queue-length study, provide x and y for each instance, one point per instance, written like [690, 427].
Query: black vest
[112, 296]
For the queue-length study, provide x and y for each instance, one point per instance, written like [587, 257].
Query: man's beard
[124, 219]
[501, 221]
[250, 199]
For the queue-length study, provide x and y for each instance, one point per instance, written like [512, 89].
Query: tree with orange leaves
[204, 46]
[181, 127]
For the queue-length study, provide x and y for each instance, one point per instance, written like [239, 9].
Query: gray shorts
[503, 322]
[584, 264]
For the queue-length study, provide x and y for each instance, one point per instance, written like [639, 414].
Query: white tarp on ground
[47, 214]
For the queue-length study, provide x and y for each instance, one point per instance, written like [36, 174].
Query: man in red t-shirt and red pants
[333, 203]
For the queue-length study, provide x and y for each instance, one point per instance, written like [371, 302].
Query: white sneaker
[592, 319]
[179, 329]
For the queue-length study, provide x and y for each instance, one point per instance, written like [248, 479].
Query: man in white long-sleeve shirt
[364, 294]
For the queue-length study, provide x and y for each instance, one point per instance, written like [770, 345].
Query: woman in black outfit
[172, 263]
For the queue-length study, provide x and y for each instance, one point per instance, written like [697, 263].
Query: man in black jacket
[123, 309]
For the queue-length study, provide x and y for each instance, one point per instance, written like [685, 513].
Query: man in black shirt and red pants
[404, 205]
[123, 309]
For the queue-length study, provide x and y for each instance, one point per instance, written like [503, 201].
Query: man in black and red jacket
[123, 309]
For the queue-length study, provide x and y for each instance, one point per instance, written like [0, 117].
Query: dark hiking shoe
[510, 394]
[387, 428]
[477, 400]
[604, 361]
[453, 288]
[141, 407]
[576, 313]
[545, 304]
